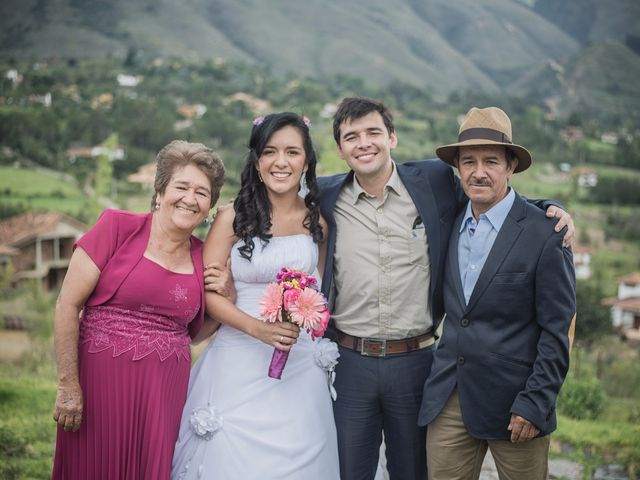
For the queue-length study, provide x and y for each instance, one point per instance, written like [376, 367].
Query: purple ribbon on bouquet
[278, 361]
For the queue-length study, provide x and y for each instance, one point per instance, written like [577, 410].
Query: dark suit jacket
[436, 193]
[508, 349]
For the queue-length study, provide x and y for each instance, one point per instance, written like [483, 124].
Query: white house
[582, 261]
[625, 309]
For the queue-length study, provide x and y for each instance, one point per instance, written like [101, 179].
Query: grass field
[610, 439]
[40, 190]
[27, 432]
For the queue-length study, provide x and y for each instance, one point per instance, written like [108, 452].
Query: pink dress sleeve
[99, 242]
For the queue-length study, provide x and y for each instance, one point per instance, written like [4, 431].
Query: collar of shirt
[393, 185]
[496, 215]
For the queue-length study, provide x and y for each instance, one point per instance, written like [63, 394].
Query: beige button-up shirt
[381, 264]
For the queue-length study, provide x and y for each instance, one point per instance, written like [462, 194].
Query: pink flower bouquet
[294, 297]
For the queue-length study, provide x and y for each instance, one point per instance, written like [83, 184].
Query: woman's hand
[218, 278]
[281, 335]
[68, 409]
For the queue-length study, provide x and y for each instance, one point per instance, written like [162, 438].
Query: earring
[260, 177]
[303, 190]
[157, 206]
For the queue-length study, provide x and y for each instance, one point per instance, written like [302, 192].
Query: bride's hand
[281, 335]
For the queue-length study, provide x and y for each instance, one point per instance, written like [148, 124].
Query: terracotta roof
[6, 250]
[257, 105]
[84, 152]
[30, 224]
[581, 249]
[631, 304]
[145, 174]
[631, 279]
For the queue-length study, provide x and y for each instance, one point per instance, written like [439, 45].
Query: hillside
[591, 21]
[601, 82]
[436, 44]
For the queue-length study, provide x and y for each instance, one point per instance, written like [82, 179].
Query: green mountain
[591, 21]
[600, 82]
[439, 45]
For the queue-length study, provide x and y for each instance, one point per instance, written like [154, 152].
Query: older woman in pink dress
[135, 283]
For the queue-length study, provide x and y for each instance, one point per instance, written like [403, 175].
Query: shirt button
[464, 322]
[379, 210]
[460, 360]
[473, 267]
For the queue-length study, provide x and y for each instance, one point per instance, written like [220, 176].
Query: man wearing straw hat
[509, 294]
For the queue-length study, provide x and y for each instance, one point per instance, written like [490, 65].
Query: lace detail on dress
[123, 330]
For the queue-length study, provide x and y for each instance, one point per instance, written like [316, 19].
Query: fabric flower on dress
[205, 421]
[326, 357]
[326, 354]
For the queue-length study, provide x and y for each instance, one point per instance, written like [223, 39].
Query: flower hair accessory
[258, 120]
[306, 121]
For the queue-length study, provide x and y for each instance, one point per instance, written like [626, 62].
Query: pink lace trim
[124, 330]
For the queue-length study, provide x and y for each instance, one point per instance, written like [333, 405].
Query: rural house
[625, 308]
[38, 245]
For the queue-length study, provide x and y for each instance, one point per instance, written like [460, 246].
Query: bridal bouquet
[294, 297]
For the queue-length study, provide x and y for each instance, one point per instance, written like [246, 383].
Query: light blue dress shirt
[477, 238]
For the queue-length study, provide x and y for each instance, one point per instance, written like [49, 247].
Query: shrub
[622, 378]
[12, 447]
[582, 399]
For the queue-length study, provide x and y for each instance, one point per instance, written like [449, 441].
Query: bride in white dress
[238, 423]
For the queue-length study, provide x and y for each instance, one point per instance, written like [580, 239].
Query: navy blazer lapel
[507, 236]
[453, 265]
[329, 190]
[421, 193]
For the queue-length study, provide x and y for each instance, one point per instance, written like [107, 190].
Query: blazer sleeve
[555, 308]
[100, 241]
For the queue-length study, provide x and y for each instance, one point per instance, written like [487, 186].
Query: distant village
[38, 245]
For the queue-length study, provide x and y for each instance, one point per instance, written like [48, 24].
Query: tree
[104, 170]
[593, 319]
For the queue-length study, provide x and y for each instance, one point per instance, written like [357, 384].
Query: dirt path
[13, 344]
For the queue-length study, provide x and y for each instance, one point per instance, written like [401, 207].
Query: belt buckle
[373, 341]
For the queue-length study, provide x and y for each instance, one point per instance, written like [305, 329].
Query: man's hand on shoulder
[564, 220]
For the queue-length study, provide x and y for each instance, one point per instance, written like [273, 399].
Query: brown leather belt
[379, 347]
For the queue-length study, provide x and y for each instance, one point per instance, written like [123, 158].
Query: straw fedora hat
[485, 126]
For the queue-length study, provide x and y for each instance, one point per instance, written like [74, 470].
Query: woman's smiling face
[283, 161]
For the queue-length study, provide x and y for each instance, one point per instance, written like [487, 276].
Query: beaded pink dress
[134, 363]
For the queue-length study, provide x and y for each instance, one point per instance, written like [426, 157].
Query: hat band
[484, 134]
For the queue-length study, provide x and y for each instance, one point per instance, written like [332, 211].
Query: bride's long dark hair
[252, 206]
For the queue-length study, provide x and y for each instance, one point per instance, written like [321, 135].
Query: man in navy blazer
[509, 297]
[389, 227]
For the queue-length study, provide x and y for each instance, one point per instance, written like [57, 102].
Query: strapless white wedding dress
[237, 422]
